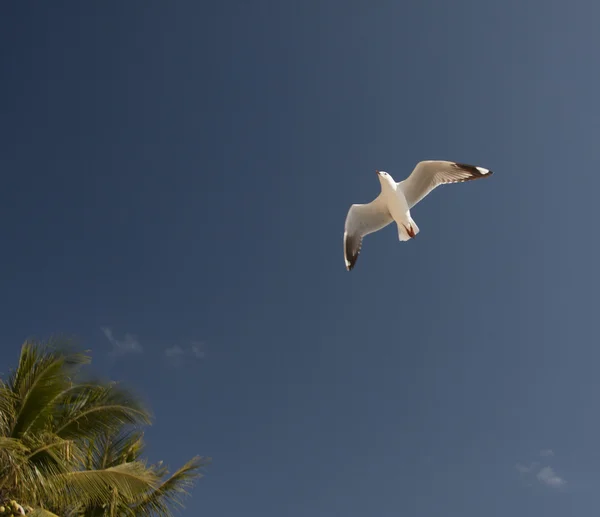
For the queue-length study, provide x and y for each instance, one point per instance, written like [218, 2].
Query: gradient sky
[177, 175]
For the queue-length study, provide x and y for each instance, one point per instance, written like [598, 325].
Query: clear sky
[177, 175]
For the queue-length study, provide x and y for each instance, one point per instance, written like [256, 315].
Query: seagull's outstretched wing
[360, 221]
[429, 174]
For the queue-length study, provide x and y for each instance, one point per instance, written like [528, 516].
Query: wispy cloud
[174, 351]
[128, 345]
[176, 354]
[197, 350]
[547, 476]
[544, 475]
[525, 469]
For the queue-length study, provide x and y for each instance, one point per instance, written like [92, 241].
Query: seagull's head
[385, 178]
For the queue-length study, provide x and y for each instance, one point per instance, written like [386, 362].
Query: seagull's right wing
[360, 221]
[429, 174]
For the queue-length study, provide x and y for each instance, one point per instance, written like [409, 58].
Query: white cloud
[534, 472]
[547, 476]
[128, 345]
[176, 354]
[525, 469]
[174, 351]
[197, 350]
[108, 333]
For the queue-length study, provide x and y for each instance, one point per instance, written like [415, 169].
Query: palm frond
[172, 490]
[40, 512]
[55, 456]
[7, 409]
[103, 408]
[107, 450]
[12, 445]
[92, 487]
[12, 456]
[73, 448]
[43, 372]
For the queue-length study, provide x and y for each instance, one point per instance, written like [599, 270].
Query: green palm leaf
[130, 480]
[12, 445]
[42, 374]
[172, 490]
[40, 512]
[99, 409]
[72, 448]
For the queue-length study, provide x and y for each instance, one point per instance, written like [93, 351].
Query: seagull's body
[396, 199]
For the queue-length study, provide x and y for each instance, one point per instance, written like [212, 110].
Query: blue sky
[175, 180]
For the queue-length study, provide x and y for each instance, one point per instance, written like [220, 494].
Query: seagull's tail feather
[407, 230]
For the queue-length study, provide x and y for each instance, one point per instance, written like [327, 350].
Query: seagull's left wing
[360, 221]
[427, 175]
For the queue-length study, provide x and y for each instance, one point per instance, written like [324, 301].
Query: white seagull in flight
[396, 200]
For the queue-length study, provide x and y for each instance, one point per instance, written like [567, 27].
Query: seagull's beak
[377, 172]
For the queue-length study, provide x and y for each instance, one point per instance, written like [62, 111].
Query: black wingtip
[476, 172]
[351, 251]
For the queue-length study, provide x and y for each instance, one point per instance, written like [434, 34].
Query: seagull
[396, 199]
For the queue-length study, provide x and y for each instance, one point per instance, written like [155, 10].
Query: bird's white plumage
[360, 221]
[430, 174]
[396, 200]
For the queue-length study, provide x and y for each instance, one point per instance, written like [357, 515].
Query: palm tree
[109, 451]
[72, 445]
